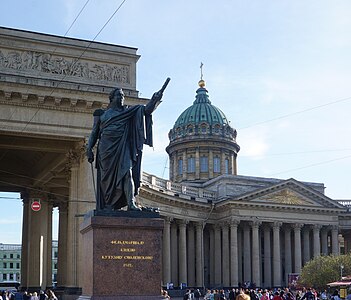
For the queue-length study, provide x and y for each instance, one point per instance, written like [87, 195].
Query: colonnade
[231, 253]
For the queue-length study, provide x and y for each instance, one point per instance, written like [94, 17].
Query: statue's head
[117, 96]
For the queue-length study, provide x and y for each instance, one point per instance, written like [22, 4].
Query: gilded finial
[201, 82]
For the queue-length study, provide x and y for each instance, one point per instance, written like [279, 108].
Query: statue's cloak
[122, 136]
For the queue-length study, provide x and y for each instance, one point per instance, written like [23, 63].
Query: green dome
[202, 111]
[202, 118]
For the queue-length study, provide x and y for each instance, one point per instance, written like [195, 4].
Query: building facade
[221, 228]
[10, 262]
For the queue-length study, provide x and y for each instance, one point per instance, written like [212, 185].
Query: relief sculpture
[47, 63]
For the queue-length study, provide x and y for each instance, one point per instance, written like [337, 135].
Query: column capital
[199, 225]
[335, 227]
[255, 223]
[277, 224]
[182, 222]
[297, 226]
[233, 222]
[317, 227]
[168, 219]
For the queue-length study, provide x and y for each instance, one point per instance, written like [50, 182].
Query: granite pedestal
[122, 256]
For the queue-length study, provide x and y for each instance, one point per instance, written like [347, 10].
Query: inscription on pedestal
[128, 256]
[122, 257]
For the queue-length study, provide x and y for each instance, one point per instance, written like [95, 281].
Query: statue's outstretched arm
[156, 99]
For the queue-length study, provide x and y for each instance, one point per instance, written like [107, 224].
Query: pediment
[288, 197]
[291, 193]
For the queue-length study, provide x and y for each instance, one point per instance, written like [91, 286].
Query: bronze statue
[121, 131]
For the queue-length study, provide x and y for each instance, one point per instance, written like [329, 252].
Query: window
[203, 164]
[11, 255]
[226, 166]
[191, 165]
[18, 256]
[5, 256]
[17, 265]
[11, 265]
[55, 266]
[180, 167]
[216, 165]
[4, 277]
[5, 265]
[55, 254]
[11, 276]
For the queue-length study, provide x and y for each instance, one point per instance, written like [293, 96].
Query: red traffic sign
[36, 206]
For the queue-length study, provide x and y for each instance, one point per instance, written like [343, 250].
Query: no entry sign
[36, 206]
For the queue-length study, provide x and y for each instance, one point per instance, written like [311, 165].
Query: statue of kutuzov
[121, 132]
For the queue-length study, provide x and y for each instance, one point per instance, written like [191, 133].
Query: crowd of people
[40, 295]
[260, 294]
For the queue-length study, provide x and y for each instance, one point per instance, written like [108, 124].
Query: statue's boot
[132, 205]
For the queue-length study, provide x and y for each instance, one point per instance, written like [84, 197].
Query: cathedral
[221, 229]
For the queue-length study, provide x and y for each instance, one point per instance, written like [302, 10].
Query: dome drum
[202, 143]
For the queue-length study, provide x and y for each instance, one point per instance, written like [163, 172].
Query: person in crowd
[265, 295]
[335, 296]
[34, 296]
[165, 295]
[51, 295]
[197, 294]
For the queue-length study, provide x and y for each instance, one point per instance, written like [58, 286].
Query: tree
[322, 270]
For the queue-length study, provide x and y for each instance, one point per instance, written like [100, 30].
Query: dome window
[216, 164]
[204, 164]
[191, 164]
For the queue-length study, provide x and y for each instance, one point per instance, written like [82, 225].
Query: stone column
[225, 260]
[185, 165]
[324, 238]
[234, 267]
[247, 254]
[199, 254]
[167, 251]
[256, 270]
[277, 273]
[174, 253]
[297, 241]
[210, 164]
[73, 234]
[183, 278]
[197, 163]
[316, 240]
[306, 245]
[335, 240]
[217, 255]
[25, 235]
[267, 264]
[288, 257]
[191, 255]
[222, 162]
[240, 254]
[48, 254]
[233, 165]
[212, 256]
[62, 245]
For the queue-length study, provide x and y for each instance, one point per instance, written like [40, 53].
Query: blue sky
[280, 71]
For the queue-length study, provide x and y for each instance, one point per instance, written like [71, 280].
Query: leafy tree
[322, 270]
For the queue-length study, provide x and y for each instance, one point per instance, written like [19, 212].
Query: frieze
[48, 63]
